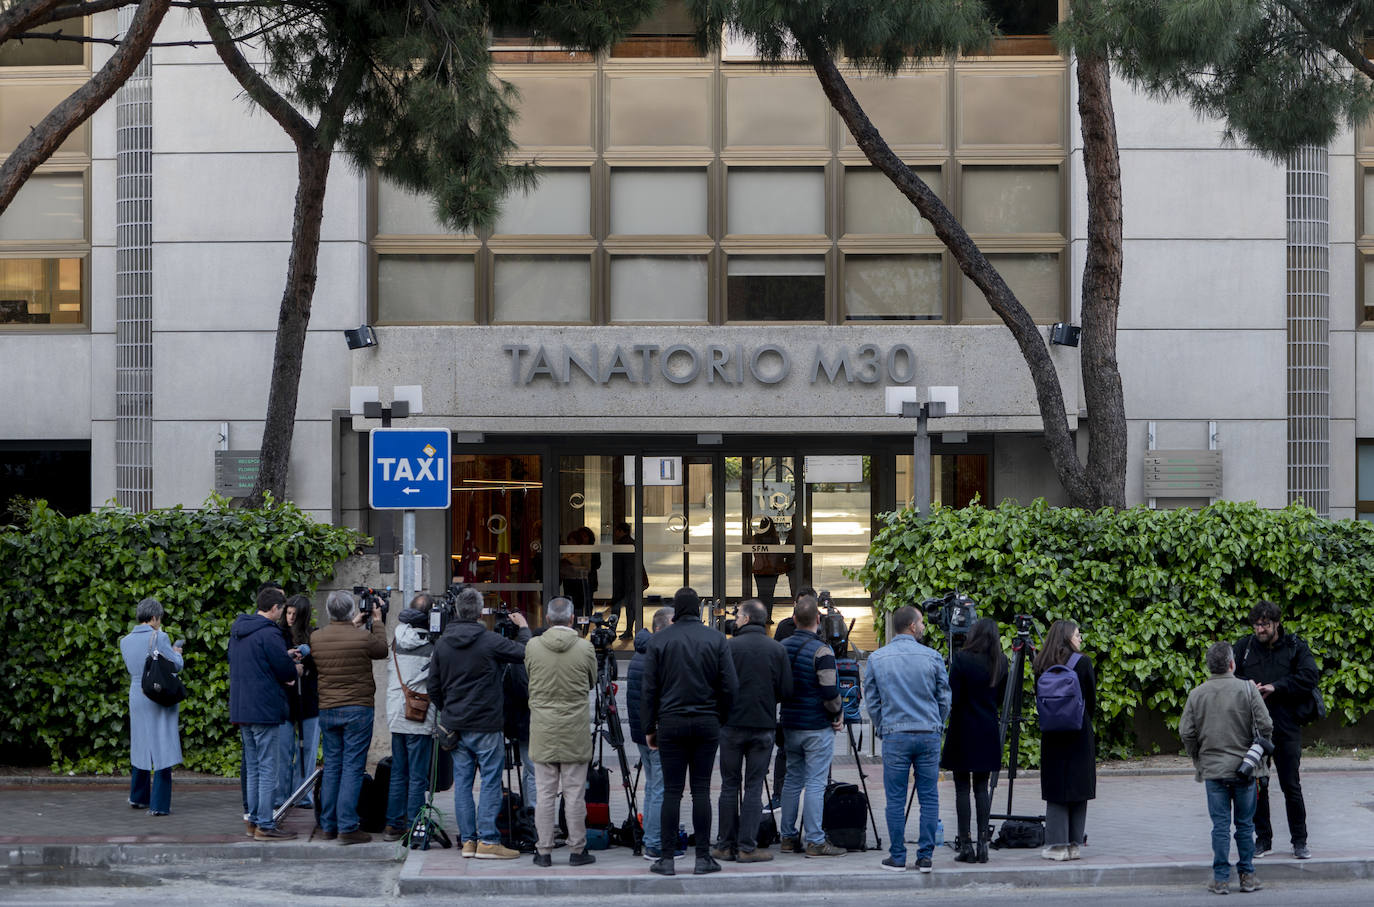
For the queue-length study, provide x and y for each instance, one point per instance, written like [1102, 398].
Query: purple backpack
[1059, 698]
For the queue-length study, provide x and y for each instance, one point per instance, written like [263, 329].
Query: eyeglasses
[1263, 623]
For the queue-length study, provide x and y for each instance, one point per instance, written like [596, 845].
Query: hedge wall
[68, 590]
[1150, 588]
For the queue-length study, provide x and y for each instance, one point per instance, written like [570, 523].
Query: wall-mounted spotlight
[1065, 334]
[361, 337]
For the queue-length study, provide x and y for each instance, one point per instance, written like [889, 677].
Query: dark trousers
[982, 798]
[683, 748]
[1287, 758]
[779, 766]
[152, 789]
[743, 751]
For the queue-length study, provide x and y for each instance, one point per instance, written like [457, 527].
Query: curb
[29, 856]
[569, 883]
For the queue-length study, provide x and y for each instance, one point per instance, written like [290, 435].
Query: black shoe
[1263, 847]
[923, 864]
[543, 859]
[663, 866]
[627, 635]
[982, 856]
[965, 854]
[580, 858]
[706, 865]
[1301, 852]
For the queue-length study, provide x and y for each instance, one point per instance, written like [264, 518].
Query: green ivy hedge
[68, 591]
[1151, 589]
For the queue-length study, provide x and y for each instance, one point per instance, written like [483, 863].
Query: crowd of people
[697, 700]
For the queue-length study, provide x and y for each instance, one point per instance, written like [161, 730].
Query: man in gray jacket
[1222, 719]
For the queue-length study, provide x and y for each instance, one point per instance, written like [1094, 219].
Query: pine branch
[300, 130]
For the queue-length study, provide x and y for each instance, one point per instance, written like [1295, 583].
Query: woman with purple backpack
[1066, 701]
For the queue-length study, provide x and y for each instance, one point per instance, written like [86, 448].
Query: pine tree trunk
[77, 108]
[312, 171]
[1106, 421]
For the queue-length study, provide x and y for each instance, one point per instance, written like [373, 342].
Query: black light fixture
[1065, 334]
[361, 337]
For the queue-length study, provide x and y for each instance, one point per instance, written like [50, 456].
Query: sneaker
[663, 866]
[1219, 887]
[470, 848]
[923, 864]
[758, 855]
[1058, 852]
[249, 827]
[723, 853]
[133, 805]
[155, 812]
[580, 858]
[393, 833]
[705, 866]
[894, 865]
[488, 850]
[273, 834]
[543, 859]
[1301, 852]
[1262, 848]
[825, 849]
[790, 845]
[652, 855]
[1249, 883]
[1073, 852]
[356, 836]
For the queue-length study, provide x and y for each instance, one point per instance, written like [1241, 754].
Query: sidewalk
[1148, 826]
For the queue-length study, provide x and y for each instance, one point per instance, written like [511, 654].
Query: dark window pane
[59, 474]
[769, 290]
[1023, 17]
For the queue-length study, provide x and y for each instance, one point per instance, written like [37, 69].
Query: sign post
[409, 471]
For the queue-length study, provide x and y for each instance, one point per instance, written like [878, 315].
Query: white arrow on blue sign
[410, 469]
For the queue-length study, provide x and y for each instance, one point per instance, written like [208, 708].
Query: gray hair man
[561, 666]
[466, 686]
[1221, 720]
[343, 652]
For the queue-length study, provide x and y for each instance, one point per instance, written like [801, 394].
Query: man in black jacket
[465, 685]
[689, 686]
[746, 741]
[1281, 665]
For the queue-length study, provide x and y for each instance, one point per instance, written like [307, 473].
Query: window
[1364, 480]
[560, 203]
[873, 205]
[659, 201]
[1023, 26]
[1037, 280]
[776, 201]
[669, 32]
[1011, 199]
[893, 287]
[43, 52]
[658, 288]
[542, 288]
[425, 289]
[775, 288]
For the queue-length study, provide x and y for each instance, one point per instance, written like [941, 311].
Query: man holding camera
[810, 718]
[746, 740]
[562, 670]
[1224, 717]
[1281, 666]
[689, 685]
[465, 686]
[344, 651]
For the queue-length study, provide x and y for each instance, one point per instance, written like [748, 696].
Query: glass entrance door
[679, 527]
[496, 526]
[761, 495]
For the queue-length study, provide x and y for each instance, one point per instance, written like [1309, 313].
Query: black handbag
[161, 683]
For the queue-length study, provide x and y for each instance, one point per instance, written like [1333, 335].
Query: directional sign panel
[410, 469]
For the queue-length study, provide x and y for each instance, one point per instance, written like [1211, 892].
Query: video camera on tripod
[503, 624]
[724, 617]
[955, 614]
[600, 630]
[443, 608]
[368, 598]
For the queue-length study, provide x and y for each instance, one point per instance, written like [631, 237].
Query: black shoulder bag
[161, 683]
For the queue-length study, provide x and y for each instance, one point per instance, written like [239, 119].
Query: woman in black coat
[973, 743]
[1068, 759]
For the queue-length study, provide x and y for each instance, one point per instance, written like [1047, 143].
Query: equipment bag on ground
[1017, 833]
[845, 816]
[515, 823]
[598, 797]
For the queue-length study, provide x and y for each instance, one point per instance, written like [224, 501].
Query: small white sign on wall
[843, 468]
[662, 471]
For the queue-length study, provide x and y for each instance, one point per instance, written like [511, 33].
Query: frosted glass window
[402, 212]
[1011, 199]
[873, 205]
[775, 288]
[657, 111]
[27, 104]
[892, 288]
[668, 201]
[38, 52]
[1036, 279]
[1000, 108]
[543, 288]
[1367, 227]
[774, 110]
[49, 206]
[559, 203]
[1365, 471]
[658, 288]
[790, 200]
[426, 289]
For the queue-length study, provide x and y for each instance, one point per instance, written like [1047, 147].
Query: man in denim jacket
[908, 702]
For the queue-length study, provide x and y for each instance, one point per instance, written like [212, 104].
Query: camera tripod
[850, 693]
[1023, 653]
[608, 729]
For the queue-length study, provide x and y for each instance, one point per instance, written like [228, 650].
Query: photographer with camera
[562, 669]
[409, 716]
[1224, 718]
[466, 687]
[343, 652]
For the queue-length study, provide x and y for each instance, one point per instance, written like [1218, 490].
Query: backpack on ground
[1018, 833]
[598, 797]
[372, 797]
[1059, 697]
[845, 816]
[515, 823]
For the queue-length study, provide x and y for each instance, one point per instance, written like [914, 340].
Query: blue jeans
[1224, 797]
[482, 754]
[808, 766]
[160, 781]
[260, 766]
[310, 742]
[347, 732]
[902, 752]
[409, 778]
[653, 798]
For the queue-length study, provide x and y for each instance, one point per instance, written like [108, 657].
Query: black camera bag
[845, 816]
[1020, 833]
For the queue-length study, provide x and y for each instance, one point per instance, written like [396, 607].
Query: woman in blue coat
[154, 741]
